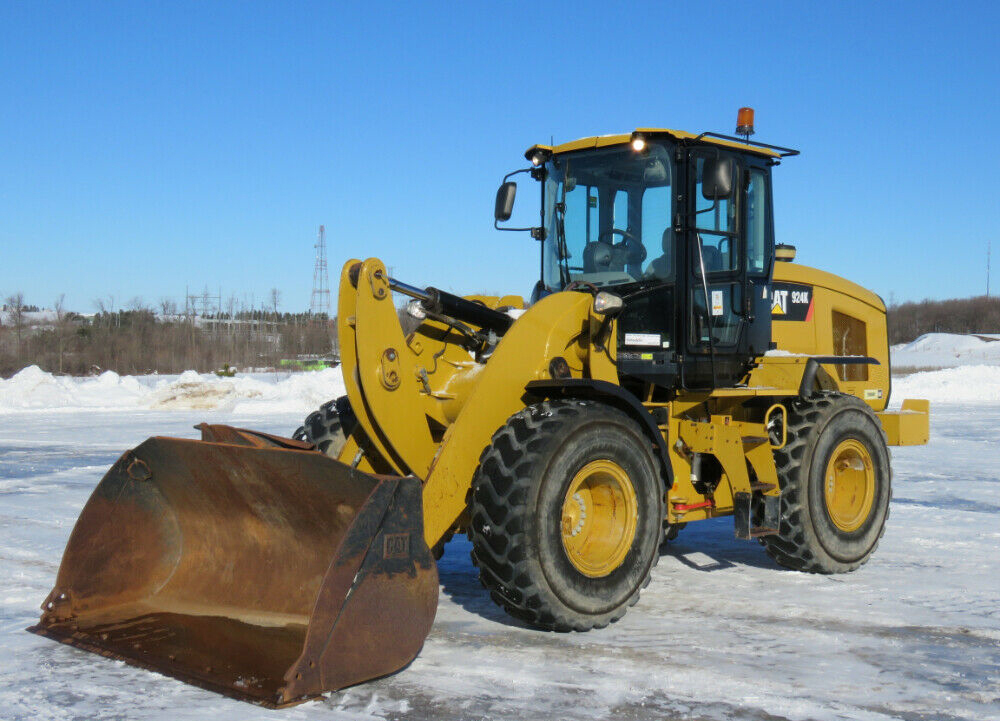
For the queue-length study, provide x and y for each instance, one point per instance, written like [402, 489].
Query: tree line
[140, 341]
[908, 321]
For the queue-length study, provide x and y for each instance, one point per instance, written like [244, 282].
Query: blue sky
[146, 146]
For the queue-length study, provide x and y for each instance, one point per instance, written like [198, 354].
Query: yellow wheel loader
[672, 364]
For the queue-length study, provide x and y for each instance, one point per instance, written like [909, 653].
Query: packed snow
[720, 633]
[34, 389]
[943, 350]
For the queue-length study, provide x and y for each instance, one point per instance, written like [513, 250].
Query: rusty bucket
[249, 565]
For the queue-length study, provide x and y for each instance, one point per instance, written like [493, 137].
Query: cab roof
[600, 141]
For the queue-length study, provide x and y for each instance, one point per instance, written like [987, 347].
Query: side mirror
[717, 178]
[505, 201]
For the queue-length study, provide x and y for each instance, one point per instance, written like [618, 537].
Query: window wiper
[562, 251]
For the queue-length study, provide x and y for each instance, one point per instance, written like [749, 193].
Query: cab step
[751, 507]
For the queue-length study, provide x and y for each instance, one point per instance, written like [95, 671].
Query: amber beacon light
[744, 122]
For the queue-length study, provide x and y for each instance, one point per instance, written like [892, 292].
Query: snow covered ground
[721, 632]
[944, 350]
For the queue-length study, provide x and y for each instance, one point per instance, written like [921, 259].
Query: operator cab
[680, 226]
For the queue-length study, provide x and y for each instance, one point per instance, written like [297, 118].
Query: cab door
[716, 270]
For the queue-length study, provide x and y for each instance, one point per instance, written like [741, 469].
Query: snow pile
[965, 384]
[947, 350]
[34, 389]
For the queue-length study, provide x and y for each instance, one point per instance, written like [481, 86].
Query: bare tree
[275, 300]
[15, 312]
[231, 313]
[61, 329]
[106, 308]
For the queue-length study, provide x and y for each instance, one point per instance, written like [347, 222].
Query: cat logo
[791, 301]
[779, 302]
[396, 545]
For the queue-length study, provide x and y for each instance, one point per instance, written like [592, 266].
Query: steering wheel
[625, 234]
[593, 289]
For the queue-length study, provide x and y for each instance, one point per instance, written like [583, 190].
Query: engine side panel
[818, 313]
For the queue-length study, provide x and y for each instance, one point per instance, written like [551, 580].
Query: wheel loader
[672, 364]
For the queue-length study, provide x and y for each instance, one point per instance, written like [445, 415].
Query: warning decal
[717, 307]
[791, 301]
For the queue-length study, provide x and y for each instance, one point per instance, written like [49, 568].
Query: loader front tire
[566, 515]
[835, 481]
[328, 427]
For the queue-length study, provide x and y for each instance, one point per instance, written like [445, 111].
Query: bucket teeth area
[215, 652]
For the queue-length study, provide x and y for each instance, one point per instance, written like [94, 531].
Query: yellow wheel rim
[849, 485]
[599, 517]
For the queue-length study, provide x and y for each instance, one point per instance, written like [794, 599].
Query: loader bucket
[246, 564]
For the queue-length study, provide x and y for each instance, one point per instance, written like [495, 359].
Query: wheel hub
[599, 516]
[849, 485]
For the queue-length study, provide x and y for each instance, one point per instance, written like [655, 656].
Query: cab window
[756, 235]
[716, 222]
[657, 232]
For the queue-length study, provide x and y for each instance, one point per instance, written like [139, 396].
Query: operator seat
[662, 267]
[712, 258]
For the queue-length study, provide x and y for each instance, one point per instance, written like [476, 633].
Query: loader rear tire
[566, 515]
[836, 485]
[328, 427]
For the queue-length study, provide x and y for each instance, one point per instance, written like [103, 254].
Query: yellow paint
[909, 426]
[599, 517]
[389, 381]
[601, 141]
[849, 485]
[549, 328]
[347, 323]
[815, 337]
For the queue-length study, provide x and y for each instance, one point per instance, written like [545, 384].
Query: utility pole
[320, 301]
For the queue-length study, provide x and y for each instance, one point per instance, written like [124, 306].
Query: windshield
[608, 217]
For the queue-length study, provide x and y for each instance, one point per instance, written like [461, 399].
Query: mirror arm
[536, 233]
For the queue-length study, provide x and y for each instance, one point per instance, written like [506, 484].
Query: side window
[656, 234]
[620, 213]
[718, 253]
[577, 220]
[756, 234]
[717, 227]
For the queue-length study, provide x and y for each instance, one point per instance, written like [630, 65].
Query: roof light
[638, 143]
[744, 122]
[538, 155]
